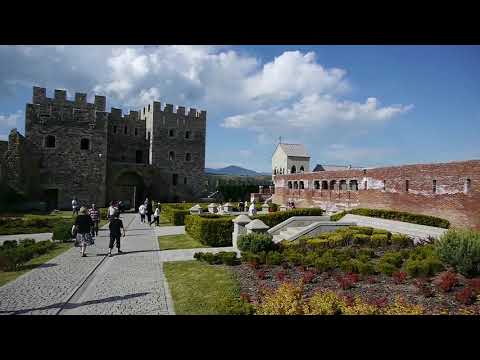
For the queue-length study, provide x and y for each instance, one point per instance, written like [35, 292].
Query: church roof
[294, 150]
[320, 167]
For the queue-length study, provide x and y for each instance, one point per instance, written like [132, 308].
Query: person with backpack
[115, 226]
[83, 227]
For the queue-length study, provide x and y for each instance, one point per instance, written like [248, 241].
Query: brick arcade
[447, 190]
[73, 148]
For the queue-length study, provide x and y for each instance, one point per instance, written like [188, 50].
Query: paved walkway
[36, 237]
[415, 231]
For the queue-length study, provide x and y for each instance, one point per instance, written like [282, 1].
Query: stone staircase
[289, 232]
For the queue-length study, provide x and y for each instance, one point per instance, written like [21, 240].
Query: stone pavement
[131, 283]
[415, 231]
[36, 237]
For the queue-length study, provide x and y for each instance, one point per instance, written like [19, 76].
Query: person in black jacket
[116, 225]
[83, 226]
[149, 210]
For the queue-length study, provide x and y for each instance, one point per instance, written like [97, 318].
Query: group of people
[146, 210]
[291, 205]
[87, 223]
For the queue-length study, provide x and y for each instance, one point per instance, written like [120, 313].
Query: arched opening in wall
[136, 131]
[354, 185]
[188, 157]
[128, 187]
[171, 132]
[289, 184]
[171, 156]
[275, 171]
[293, 170]
[343, 185]
[302, 186]
[85, 144]
[324, 185]
[332, 184]
[187, 134]
[316, 185]
[468, 184]
[50, 141]
[407, 185]
[434, 186]
[125, 130]
[384, 185]
[295, 184]
[174, 179]
[302, 169]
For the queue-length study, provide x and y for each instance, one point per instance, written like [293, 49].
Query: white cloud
[11, 120]
[355, 155]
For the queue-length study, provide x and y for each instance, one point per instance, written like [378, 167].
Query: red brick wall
[449, 202]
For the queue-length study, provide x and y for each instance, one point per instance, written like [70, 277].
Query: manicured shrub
[366, 268]
[273, 219]
[274, 258]
[401, 241]
[256, 242]
[214, 232]
[366, 252]
[350, 266]
[366, 230]
[360, 239]
[318, 243]
[382, 232]
[336, 240]
[425, 267]
[393, 257]
[286, 300]
[9, 244]
[379, 240]
[62, 231]
[310, 259]
[177, 217]
[326, 262]
[401, 216]
[338, 216]
[323, 303]
[386, 268]
[228, 257]
[223, 257]
[460, 249]
[27, 242]
[293, 257]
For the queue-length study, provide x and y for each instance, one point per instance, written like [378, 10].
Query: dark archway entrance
[129, 187]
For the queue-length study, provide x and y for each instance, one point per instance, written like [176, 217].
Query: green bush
[256, 242]
[177, 217]
[366, 230]
[27, 242]
[210, 231]
[401, 241]
[360, 239]
[336, 240]
[13, 258]
[382, 232]
[389, 263]
[9, 244]
[351, 266]
[386, 268]
[396, 215]
[293, 257]
[274, 258]
[366, 252]
[366, 268]
[379, 240]
[318, 243]
[62, 231]
[326, 262]
[460, 248]
[424, 267]
[273, 219]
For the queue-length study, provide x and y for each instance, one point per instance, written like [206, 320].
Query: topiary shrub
[366, 230]
[366, 268]
[401, 241]
[256, 242]
[336, 240]
[210, 231]
[360, 239]
[274, 258]
[273, 219]
[318, 243]
[382, 232]
[338, 216]
[389, 263]
[379, 240]
[460, 248]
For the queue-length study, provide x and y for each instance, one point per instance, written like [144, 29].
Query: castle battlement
[60, 99]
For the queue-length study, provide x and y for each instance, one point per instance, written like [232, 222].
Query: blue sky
[360, 105]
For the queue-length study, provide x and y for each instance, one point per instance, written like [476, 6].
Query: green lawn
[7, 276]
[201, 289]
[182, 241]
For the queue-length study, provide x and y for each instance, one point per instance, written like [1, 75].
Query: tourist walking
[241, 206]
[149, 211]
[246, 206]
[83, 226]
[74, 206]
[252, 211]
[141, 210]
[95, 215]
[115, 226]
[111, 211]
[156, 216]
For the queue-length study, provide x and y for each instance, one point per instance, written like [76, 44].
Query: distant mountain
[234, 170]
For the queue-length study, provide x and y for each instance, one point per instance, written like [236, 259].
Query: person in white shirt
[142, 209]
[111, 211]
[156, 217]
[74, 207]
[252, 211]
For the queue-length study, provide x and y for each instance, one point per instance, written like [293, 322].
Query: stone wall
[456, 195]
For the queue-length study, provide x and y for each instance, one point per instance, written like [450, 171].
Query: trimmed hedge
[223, 257]
[63, 231]
[175, 213]
[276, 218]
[12, 226]
[13, 257]
[256, 243]
[396, 215]
[210, 230]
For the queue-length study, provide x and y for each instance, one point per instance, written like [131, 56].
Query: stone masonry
[447, 190]
[74, 148]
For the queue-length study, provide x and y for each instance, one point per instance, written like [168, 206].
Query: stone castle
[73, 148]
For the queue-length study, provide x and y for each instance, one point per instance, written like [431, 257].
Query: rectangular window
[136, 132]
[139, 157]
[185, 180]
[384, 185]
[407, 185]
[174, 179]
[434, 186]
[125, 130]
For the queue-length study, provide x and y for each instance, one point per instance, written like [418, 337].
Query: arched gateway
[129, 186]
